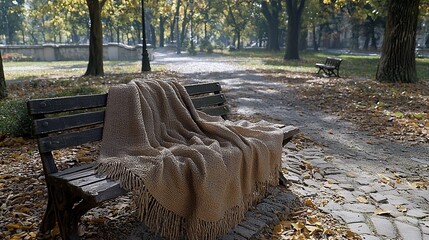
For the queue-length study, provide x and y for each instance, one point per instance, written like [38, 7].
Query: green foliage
[14, 119]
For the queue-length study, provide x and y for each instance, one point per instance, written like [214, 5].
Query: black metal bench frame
[330, 67]
[70, 121]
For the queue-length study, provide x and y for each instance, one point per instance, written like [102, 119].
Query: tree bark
[271, 14]
[161, 31]
[3, 89]
[398, 62]
[95, 63]
[294, 11]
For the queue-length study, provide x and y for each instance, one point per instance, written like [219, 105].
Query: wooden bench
[330, 67]
[70, 121]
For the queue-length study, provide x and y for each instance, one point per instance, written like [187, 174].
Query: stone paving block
[360, 228]
[408, 231]
[383, 227]
[312, 183]
[329, 170]
[331, 206]
[381, 187]
[424, 229]
[251, 226]
[391, 209]
[417, 213]
[359, 207]
[408, 220]
[316, 161]
[293, 178]
[379, 198]
[277, 206]
[369, 237]
[245, 232]
[397, 200]
[306, 191]
[349, 217]
[319, 176]
[346, 186]
[426, 237]
[347, 195]
[339, 178]
[367, 189]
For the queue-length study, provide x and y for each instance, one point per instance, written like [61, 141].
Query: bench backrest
[330, 61]
[70, 121]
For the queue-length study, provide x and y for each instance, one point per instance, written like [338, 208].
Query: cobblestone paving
[375, 206]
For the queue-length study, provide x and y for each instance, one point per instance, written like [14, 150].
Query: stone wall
[51, 52]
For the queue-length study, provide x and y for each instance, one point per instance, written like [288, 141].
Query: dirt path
[252, 94]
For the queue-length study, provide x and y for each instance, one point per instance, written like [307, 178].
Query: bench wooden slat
[78, 175]
[74, 169]
[63, 104]
[216, 111]
[47, 125]
[104, 190]
[47, 144]
[196, 89]
[81, 182]
[211, 100]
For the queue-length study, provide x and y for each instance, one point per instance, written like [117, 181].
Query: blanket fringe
[172, 226]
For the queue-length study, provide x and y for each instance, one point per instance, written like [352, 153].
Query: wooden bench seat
[70, 121]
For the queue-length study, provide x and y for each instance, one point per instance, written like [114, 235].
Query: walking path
[364, 181]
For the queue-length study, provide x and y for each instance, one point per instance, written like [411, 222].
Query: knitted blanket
[192, 175]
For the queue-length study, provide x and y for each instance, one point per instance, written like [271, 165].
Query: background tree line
[210, 24]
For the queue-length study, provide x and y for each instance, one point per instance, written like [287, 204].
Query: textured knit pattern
[192, 175]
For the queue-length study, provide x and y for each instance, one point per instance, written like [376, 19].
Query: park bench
[64, 122]
[330, 67]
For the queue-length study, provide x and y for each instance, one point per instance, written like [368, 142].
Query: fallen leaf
[309, 203]
[381, 212]
[362, 199]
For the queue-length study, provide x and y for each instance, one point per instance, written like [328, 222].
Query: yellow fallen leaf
[312, 219]
[286, 224]
[421, 185]
[351, 235]
[401, 208]
[13, 226]
[381, 212]
[313, 229]
[362, 199]
[328, 231]
[278, 229]
[298, 225]
[309, 203]
[383, 178]
[32, 234]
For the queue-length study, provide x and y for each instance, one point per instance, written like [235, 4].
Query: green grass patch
[356, 66]
[14, 119]
[65, 69]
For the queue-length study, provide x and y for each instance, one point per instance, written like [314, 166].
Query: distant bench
[330, 67]
[70, 121]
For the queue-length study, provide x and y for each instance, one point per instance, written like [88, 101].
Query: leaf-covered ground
[399, 112]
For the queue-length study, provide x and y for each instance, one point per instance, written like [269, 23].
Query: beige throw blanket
[192, 175]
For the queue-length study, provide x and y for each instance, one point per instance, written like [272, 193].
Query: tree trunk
[161, 31]
[271, 14]
[95, 63]
[294, 11]
[153, 35]
[315, 43]
[238, 39]
[398, 62]
[3, 89]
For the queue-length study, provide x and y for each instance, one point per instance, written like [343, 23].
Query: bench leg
[68, 212]
[48, 222]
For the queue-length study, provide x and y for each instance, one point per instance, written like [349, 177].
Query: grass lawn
[63, 69]
[356, 66]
